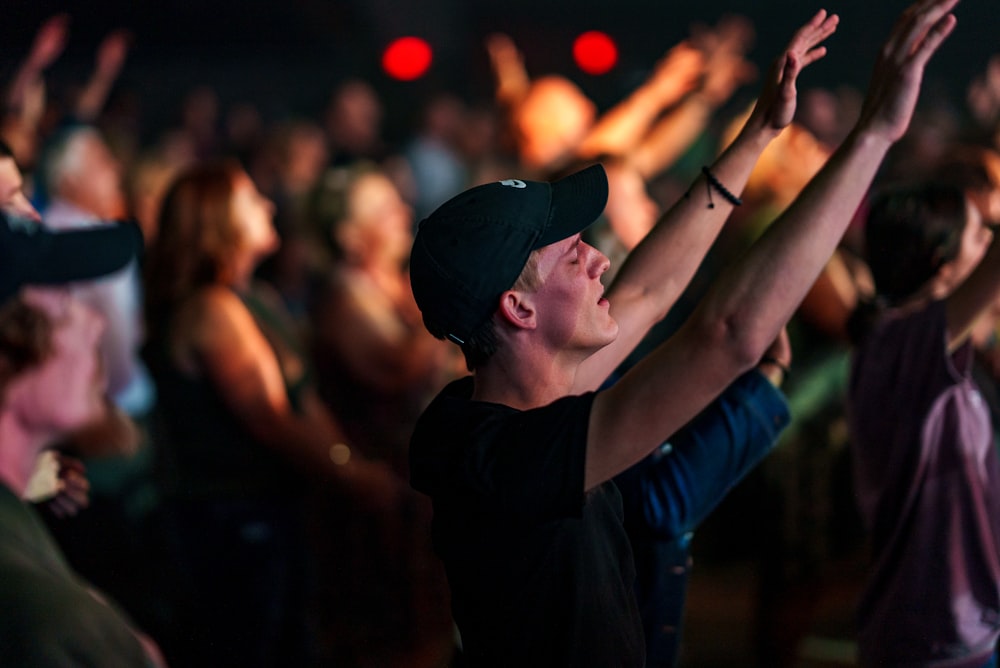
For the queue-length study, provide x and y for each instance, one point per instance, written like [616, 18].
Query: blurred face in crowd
[253, 215]
[552, 121]
[12, 197]
[92, 180]
[379, 223]
[63, 392]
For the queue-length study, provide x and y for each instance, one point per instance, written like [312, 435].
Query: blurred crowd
[247, 502]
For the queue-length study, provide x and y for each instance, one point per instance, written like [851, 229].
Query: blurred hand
[512, 80]
[111, 54]
[677, 73]
[74, 488]
[59, 483]
[50, 40]
[733, 34]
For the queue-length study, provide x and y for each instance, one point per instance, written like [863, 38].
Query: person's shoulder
[50, 619]
[211, 314]
[214, 304]
[450, 404]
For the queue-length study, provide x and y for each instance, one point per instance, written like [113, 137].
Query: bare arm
[25, 96]
[619, 130]
[973, 297]
[671, 136]
[510, 76]
[660, 267]
[110, 59]
[725, 69]
[375, 343]
[747, 306]
[232, 351]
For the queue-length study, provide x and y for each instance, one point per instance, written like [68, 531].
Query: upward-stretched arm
[660, 267]
[110, 59]
[619, 130]
[747, 305]
[973, 297]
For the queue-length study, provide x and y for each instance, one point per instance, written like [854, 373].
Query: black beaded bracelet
[723, 190]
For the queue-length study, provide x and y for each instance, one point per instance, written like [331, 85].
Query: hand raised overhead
[899, 70]
[776, 105]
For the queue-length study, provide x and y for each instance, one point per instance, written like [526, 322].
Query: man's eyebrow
[576, 244]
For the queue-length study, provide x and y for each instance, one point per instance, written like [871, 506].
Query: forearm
[756, 296]
[660, 267]
[970, 301]
[619, 130]
[93, 97]
[671, 136]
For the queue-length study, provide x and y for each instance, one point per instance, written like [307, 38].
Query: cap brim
[38, 256]
[577, 201]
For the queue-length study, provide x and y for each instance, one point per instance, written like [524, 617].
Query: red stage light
[407, 58]
[595, 52]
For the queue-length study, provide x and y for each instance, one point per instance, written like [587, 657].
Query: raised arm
[749, 303]
[660, 267]
[619, 130]
[233, 353]
[973, 298]
[725, 70]
[108, 65]
[509, 73]
[24, 98]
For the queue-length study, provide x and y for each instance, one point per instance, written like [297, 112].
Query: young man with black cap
[51, 385]
[518, 458]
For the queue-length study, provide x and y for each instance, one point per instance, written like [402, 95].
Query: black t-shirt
[541, 573]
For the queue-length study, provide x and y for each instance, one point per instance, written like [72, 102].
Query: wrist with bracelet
[713, 183]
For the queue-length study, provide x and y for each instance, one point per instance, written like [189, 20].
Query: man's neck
[521, 380]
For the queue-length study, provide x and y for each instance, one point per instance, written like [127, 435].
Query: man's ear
[517, 309]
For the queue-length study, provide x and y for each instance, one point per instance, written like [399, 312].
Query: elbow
[738, 341]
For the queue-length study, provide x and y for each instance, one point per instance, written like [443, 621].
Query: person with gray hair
[50, 386]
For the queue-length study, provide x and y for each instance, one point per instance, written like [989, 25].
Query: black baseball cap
[475, 245]
[31, 254]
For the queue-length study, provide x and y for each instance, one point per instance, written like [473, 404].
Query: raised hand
[111, 53]
[678, 72]
[512, 81]
[733, 34]
[50, 40]
[776, 105]
[899, 70]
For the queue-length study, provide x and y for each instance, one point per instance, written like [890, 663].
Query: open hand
[899, 70]
[776, 106]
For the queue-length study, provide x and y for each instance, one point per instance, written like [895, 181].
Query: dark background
[285, 55]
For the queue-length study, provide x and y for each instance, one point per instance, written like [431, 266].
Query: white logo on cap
[514, 183]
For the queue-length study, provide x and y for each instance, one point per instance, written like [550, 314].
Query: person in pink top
[927, 473]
